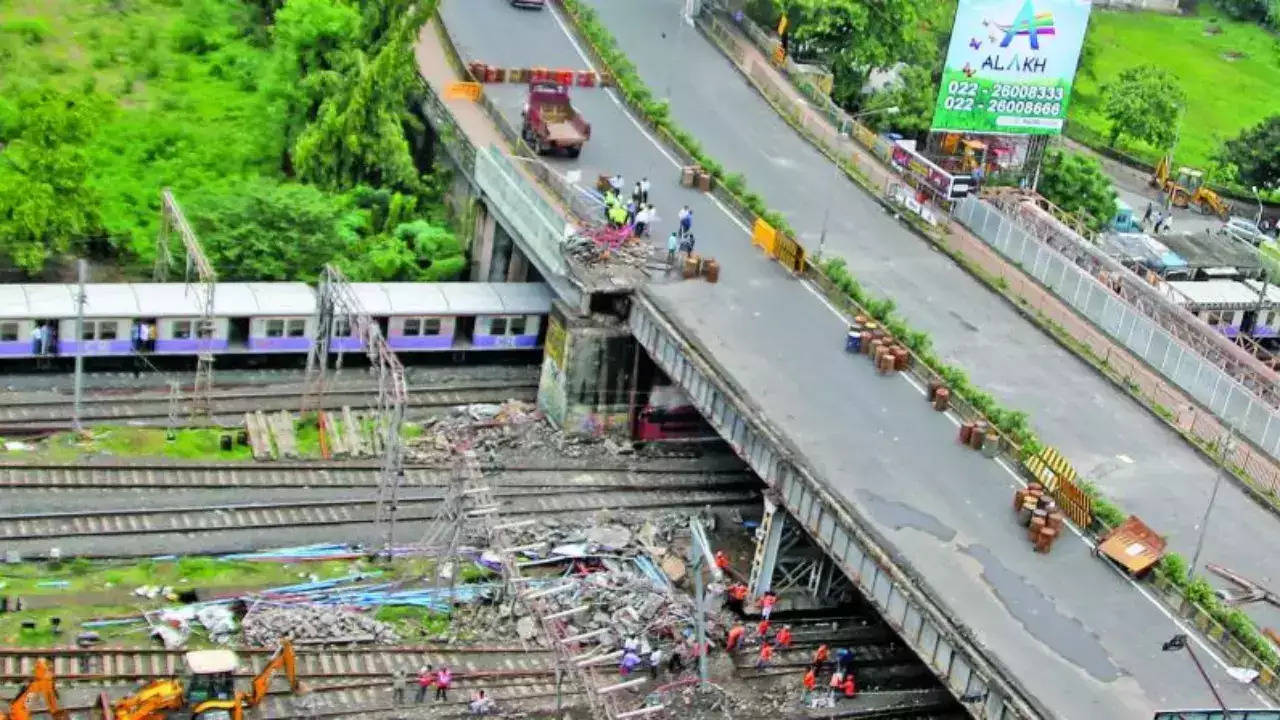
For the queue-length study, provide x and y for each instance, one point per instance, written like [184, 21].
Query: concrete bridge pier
[587, 386]
[495, 256]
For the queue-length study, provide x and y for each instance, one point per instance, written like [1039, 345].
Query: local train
[276, 318]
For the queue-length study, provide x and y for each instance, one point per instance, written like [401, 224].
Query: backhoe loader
[40, 685]
[209, 693]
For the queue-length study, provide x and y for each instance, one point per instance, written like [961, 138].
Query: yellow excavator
[209, 693]
[40, 685]
[1188, 189]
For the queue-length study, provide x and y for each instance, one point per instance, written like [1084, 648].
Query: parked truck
[550, 121]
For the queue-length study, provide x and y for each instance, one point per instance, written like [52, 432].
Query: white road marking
[999, 461]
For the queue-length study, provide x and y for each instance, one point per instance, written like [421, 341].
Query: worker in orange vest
[735, 637]
[722, 561]
[784, 637]
[762, 629]
[736, 596]
[766, 655]
[850, 686]
[820, 657]
[810, 683]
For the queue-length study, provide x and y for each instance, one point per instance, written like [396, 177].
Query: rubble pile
[588, 251]
[493, 430]
[614, 563]
[266, 626]
[712, 702]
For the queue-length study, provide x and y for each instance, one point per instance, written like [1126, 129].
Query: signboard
[946, 185]
[1010, 65]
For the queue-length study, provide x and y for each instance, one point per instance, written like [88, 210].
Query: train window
[206, 328]
[275, 328]
[297, 328]
[86, 331]
[498, 326]
[8, 331]
[516, 326]
[430, 326]
[341, 327]
[181, 329]
[412, 327]
[107, 330]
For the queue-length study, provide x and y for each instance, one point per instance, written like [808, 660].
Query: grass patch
[125, 441]
[78, 590]
[414, 623]
[1224, 96]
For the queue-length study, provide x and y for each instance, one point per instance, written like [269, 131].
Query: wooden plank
[352, 430]
[258, 442]
[264, 429]
[283, 428]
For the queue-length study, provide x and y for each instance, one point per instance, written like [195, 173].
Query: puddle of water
[900, 515]
[1067, 636]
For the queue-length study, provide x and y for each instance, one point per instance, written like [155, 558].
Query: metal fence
[1199, 378]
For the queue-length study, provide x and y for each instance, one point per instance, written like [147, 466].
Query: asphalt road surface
[1087, 644]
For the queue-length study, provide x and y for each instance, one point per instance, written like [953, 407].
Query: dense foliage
[1077, 184]
[904, 36]
[1255, 154]
[1264, 12]
[277, 123]
[1144, 102]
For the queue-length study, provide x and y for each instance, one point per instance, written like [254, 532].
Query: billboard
[1010, 65]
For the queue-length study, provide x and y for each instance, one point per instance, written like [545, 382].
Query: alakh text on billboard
[1010, 65]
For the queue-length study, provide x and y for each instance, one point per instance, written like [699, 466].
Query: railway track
[518, 502]
[332, 475]
[228, 407]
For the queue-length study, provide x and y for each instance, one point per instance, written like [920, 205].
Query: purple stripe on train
[189, 345]
[18, 347]
[425, 342]
[504, 341]
[95, 347]
[279, 344]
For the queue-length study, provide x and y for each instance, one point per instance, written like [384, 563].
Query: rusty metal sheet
[1133, 545]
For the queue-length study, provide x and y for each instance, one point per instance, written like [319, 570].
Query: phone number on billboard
[1015, 107]
[1013, 92]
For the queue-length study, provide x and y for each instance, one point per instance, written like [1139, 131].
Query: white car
[1244, 230]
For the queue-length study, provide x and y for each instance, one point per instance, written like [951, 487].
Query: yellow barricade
[790, 254]
[462, 91]
[764, 236]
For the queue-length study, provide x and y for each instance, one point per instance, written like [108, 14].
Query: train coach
[162, 319]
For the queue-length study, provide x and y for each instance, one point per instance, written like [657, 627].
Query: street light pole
[831, 191]
[1257, 221]
[1227, 448]
[1179, 642]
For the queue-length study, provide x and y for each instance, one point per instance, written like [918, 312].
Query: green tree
[46, 207]
[854, 37]
[261, 230]
[914, 97]
[1077, 184]
[1255, 153]
[359, 134]
[1143, 103]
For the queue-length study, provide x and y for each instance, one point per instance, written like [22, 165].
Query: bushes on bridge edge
[1014, 423]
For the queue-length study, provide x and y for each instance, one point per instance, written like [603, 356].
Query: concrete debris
[265, 626]
[219, 621]
[609, 536]
[527, 628]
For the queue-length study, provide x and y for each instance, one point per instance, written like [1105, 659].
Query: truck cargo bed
[563, 133]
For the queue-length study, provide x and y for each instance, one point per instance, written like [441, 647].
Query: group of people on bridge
[639, 216]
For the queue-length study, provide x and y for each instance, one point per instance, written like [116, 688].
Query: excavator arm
[283, 659]
[40, 685]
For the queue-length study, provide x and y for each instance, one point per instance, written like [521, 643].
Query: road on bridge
[1083, 641]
